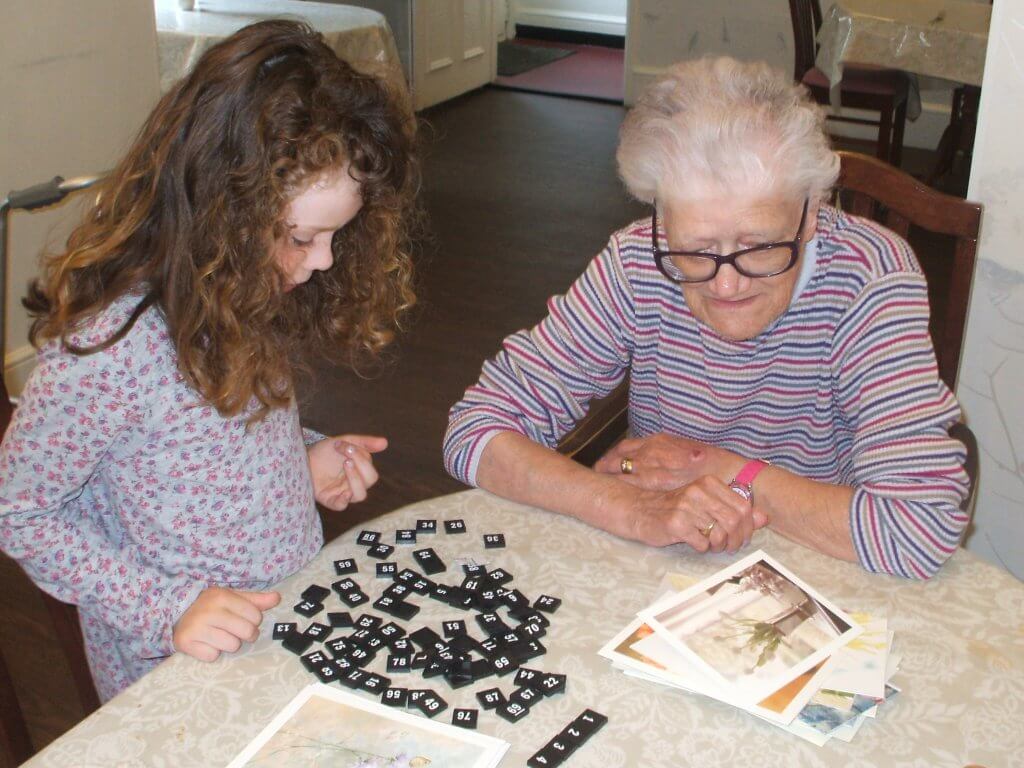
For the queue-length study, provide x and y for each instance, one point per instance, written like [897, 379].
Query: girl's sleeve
[543, 379]
[311, 436]
[74, 414]
[909, 478]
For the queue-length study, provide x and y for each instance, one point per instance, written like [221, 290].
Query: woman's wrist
[728, 464]
[620, 506]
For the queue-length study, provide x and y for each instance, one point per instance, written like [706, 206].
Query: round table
[960, 635]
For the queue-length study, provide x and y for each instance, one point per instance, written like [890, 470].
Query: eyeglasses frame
[729, 258]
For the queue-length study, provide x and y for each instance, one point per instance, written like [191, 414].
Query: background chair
[867, 187]
[862, 87]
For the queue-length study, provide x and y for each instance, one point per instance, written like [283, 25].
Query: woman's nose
[728, 282]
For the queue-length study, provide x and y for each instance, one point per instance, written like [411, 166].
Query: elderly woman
[781, 371]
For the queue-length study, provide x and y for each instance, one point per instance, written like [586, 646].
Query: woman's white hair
[731, 125]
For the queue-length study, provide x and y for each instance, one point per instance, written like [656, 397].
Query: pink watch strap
[750, 470]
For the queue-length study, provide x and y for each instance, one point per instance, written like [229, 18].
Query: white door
[454, 48]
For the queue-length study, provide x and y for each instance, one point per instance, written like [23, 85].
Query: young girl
[155, 473]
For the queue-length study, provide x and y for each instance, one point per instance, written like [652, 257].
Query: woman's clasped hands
[681, 495]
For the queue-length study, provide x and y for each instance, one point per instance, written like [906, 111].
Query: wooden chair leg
[15, 743]
[69, 635]
[899, 124]
[952, 139]
[884, 134]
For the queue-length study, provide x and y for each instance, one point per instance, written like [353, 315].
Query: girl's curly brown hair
[189, 215]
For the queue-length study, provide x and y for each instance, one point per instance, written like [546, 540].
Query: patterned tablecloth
[934, 38]
[961, 637]
[358, 35]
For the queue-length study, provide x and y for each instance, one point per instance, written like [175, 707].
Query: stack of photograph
[756, 637]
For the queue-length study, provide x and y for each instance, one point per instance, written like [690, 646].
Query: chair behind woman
[868, 187]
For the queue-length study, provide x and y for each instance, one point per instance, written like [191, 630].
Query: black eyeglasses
[765, 260]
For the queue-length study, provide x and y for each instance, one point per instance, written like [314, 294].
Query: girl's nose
[320, 258]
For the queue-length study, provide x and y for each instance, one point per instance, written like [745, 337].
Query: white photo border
[751, 693]
[495, 749]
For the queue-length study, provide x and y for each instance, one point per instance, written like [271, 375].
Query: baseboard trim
[17, 366]
[599, 23]
[570, 36]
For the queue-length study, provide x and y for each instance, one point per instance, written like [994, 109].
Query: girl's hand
[342, 468]
[220, 620]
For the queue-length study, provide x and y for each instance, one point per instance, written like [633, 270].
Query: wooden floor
[521, 192]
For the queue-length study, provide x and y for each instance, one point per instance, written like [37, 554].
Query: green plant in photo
[757, 635]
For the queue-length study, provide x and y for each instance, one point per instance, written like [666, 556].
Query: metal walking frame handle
[29, 199]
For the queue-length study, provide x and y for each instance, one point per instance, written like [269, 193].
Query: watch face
[742, 490]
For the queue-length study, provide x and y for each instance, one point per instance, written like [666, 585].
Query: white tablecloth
[961, 637]
[358, 35]
[934, 38]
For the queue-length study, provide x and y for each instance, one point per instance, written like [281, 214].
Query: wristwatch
[743, 483]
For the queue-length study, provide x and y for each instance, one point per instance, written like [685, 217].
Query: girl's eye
[301, 243]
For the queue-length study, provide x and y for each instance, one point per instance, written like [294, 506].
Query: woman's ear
[811, 221]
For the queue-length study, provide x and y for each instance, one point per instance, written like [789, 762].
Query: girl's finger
[355, 452]
[355, 481]
[202, 651]
[364, 465]
[219, 639]
[371, 443]
[239, 606]
[235, 625]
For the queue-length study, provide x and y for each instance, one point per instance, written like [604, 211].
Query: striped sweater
[842, 388]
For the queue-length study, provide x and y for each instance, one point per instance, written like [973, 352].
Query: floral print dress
[123, 493]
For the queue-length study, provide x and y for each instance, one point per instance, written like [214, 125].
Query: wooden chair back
[805, 16]
[868, 187]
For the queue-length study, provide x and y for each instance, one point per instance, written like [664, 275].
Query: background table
[358, 35]
[961, 637]
[934, 38]
[938, 38]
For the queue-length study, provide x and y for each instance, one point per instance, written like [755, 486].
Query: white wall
[607, 17]
[992, 368]
[76, 81]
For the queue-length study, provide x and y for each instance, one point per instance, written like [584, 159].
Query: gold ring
[706, 530]
[626, 465]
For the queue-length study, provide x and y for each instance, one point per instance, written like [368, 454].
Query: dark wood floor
[521, 192]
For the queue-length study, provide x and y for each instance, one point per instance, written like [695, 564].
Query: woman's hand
[664, 462]
[706, 514]
[342, 468]
[220, 620]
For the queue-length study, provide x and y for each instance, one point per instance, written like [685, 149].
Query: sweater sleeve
[542, 380]
[74, 415]
[311, 436]
[909, 478]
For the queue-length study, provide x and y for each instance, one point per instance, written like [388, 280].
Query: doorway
[566, 48]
